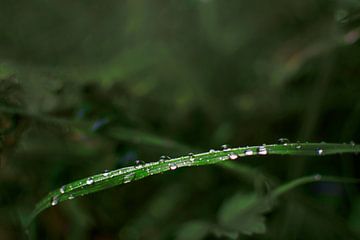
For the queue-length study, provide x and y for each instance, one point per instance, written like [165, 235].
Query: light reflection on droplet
[283, 141]
[173, 166]
[248, 152]
[262, 150]
[319, 151]
[62, 189]
[106, 173]
[224, 147]
[191, 157]
[233, 156]
[54, 201]
[89, 181]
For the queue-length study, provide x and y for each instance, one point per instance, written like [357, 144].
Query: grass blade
[125, 175]
[310, 179]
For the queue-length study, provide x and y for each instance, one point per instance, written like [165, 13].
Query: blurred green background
[92, 85]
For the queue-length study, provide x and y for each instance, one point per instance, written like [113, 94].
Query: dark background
[92, 85]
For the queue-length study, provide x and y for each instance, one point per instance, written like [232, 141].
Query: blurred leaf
[194, 230]
[244, 213]
[139, 137]
[354, 220]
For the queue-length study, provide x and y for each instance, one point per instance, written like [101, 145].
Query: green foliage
[194, 230]
[240, 214]
[87, 86]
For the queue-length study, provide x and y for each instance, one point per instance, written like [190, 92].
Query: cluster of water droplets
[191, 158]
[261, 150]
[129, 175]
[186, 161]
[163, 158]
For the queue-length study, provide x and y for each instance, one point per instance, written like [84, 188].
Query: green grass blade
[125, 175]
[310, 179]
[140, 137]
[119, 133]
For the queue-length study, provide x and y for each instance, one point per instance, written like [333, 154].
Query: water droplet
[233, 156]
[191, 157]
[224, 147]
[172, 166]
[129, 177]
[352, 143]
[248, 152]
[283, 141]
[319, 151]
[262, 150]
[106, 173]
[62, 189]
[163, 158]
[54, 200]
[212, 151]
[139, 162]
[298, 147]
[89, 181]
[317, 177]
[71, 197]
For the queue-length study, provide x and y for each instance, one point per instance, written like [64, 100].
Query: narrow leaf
[126, 175]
